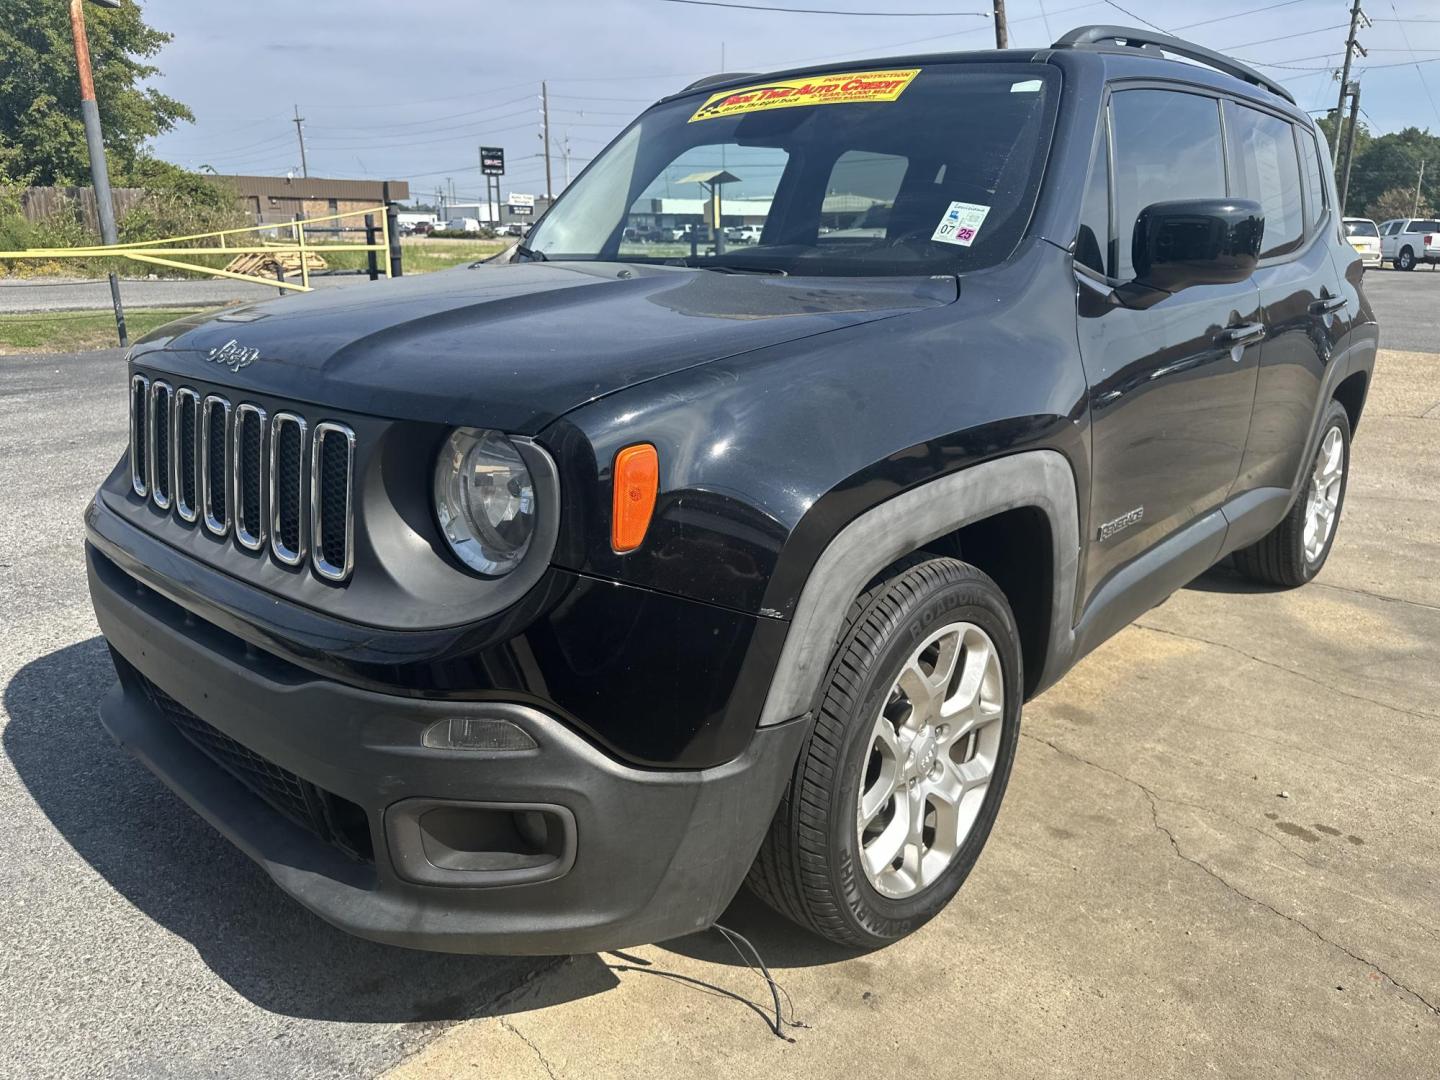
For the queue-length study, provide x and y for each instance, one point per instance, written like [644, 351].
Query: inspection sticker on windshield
[960, 223]
[842, 89]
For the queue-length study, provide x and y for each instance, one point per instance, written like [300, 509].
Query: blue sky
[410, 91]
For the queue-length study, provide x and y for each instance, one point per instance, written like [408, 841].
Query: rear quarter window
[1264, 167]
[1315, 200]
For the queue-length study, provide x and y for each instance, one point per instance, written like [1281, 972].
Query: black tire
[1405, 260]
[1279, 558]
[807, 868]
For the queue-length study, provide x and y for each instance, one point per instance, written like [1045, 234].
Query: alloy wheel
[933, 749]
[1323, 499]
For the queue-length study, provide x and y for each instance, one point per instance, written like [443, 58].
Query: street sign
[492, 160]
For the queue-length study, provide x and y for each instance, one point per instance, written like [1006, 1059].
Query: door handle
[1240, 335]
[1328, 305]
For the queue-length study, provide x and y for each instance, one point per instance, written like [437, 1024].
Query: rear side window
[1424, 226]
[1265, 168]
[1314, 185]
[1167, 146]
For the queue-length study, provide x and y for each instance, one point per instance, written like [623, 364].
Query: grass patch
[72, 331]
[420, 256]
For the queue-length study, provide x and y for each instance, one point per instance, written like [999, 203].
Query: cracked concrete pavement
[1219, 852]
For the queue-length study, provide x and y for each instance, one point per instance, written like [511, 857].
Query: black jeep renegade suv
[535, 607]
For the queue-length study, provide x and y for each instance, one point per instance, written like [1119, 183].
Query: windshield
[1361, 228]
[866, 171]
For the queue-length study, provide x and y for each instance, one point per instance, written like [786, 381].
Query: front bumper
[648, 854]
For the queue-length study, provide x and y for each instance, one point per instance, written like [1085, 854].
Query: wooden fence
[38, 203]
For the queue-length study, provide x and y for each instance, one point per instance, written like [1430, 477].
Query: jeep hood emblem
[233, 355]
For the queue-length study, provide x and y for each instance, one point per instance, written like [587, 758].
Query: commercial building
[516, 209]
[273, 199]
[839, 211]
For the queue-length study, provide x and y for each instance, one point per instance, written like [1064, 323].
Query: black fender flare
[906, 523]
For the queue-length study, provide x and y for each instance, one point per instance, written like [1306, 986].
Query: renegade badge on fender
[718, 536]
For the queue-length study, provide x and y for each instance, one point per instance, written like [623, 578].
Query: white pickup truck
[1407, 241]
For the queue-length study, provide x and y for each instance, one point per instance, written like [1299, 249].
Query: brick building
[273, 199]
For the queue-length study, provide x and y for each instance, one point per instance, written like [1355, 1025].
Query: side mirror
[1197, 242]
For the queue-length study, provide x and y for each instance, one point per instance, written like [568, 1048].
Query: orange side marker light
[637, 477]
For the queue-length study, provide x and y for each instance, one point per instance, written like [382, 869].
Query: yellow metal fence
[162, 252]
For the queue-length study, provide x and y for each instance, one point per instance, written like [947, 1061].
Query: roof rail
[1102, 35]
[722, 77]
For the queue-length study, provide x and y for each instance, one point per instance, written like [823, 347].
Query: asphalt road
[1150, 904]
[1407, 303]
[82, 294]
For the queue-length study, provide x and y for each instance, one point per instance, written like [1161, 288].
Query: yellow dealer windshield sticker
[842, 89]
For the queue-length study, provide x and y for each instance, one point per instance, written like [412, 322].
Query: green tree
[1363, 137]
[42, 136]
[1393, 161]
[1396, 203]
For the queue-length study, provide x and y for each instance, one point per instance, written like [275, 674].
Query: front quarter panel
[765, 457]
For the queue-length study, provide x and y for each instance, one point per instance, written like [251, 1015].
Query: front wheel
[1405, 260]
[901, 777]
[1294, 551]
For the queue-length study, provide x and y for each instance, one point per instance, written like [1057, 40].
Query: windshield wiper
[531, 253]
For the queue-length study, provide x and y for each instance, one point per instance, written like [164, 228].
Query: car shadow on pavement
[780, 943]
[1224, 578]
[172, 866]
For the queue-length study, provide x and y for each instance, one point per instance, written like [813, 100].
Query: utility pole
[95, 144]
[1350, 46]
[1002, 32]
[545, 137]
[1354, 90]
[1419, 181]
[300, 134]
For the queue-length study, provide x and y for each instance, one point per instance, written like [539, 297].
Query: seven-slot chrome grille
[270, 481]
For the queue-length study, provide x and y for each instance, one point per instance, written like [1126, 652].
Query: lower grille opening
[336, 821]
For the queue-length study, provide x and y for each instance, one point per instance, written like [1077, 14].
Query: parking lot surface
[80, 294]
[1218, 853]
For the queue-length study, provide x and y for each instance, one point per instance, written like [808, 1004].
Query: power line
[432, 142]
[1237, 14]
[1137, 18]
[1286, 37]
[832, 11]
[1424, 85]
[409, 124]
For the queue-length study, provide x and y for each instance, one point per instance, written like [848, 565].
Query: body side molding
[898, 526]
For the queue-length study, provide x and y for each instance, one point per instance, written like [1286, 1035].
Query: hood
[513, 346]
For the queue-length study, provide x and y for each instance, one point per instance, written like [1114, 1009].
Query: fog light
[476, 734]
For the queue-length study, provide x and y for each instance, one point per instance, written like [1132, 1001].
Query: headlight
[485, 500]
